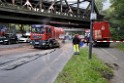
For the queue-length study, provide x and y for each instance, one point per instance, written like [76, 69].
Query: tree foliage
[117, 34]
[118, 5]
[99, 4]
[115, 16]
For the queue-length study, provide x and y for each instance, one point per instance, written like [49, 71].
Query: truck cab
[44, 36]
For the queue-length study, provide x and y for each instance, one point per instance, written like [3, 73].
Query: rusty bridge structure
[53, 12]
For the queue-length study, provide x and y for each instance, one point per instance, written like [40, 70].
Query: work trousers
[76, 47]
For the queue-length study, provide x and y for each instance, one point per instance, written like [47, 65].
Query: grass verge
[120, 46]
[80, 69]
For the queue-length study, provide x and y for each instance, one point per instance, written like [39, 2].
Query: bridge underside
[27, 18]
[53, 23]
[46, 12]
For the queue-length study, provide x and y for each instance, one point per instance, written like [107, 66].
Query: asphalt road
[115, 59]
[27, 65]
[13, 45]
[21, 63]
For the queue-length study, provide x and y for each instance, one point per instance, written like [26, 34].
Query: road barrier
[111, 41]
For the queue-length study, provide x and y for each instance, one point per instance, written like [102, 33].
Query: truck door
[48, 32]
[97, 32]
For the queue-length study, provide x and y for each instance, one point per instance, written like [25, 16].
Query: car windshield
[8, 35]
[38, 29]
[2, 37]
[25, 36]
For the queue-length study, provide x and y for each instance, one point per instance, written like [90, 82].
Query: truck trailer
[101, 34]
[45, 36]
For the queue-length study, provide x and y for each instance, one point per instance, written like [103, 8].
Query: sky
[106, 5]
[84, 5]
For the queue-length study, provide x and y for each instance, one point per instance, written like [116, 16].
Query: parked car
[8, 38]
[24, 38]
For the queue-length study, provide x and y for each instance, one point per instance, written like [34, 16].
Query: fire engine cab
[45, 36]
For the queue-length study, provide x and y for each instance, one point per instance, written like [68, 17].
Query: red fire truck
[101, 34]
[45, 36]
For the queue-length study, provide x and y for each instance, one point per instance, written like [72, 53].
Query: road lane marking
[110, 54]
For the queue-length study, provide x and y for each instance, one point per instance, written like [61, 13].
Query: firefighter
[76, 41]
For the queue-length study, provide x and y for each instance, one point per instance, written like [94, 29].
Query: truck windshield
[38, 29]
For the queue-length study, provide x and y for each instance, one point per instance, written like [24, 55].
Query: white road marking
[110, 54]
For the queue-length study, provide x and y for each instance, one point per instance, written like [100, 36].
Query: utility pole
[92, 17]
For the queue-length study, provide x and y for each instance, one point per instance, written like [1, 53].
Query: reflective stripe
[76, 48]
[109, 41]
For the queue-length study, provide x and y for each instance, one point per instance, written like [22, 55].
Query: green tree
[118, 5]
[99, 4]
[115, 16]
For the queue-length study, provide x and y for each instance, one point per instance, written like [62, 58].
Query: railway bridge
[53, 12]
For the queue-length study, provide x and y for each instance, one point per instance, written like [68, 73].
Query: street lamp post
[92, 17]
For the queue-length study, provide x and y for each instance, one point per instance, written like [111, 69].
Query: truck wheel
[50, 45]
[107, 44]
[58, 45]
